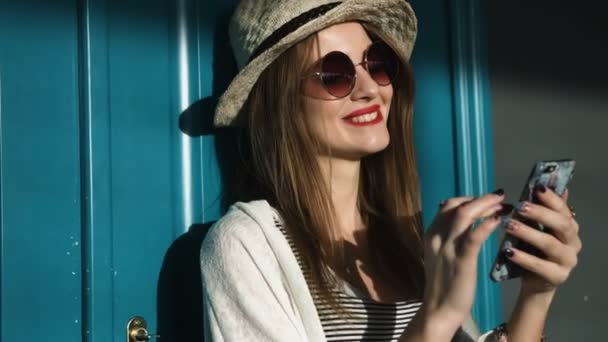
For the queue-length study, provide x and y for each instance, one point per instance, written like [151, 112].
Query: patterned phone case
[554, 175]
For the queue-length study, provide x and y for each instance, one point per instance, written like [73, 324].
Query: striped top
[371, 320]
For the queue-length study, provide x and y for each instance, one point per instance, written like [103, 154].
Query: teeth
[365, 118]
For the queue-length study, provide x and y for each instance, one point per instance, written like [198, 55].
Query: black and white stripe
[370, 321]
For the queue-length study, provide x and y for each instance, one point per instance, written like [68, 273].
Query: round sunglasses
[337, 75]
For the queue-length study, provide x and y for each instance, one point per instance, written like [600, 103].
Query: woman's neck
[343, 178]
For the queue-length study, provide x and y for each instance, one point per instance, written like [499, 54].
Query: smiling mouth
[364, 117]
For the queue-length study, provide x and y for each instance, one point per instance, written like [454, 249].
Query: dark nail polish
[442, 203]
[509, 252]
[499, 192]
[506, 209]
[540, 188]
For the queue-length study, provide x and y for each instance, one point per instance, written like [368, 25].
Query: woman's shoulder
[244, 224]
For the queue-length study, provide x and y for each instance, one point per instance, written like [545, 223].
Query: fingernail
[499, 192]
[540, 188]
[509, 252]
[506, 209]
[511, 225]
[523, 207]
[442, 203]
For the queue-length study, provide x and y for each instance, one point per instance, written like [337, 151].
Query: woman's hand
[560, 248]
[451, 250]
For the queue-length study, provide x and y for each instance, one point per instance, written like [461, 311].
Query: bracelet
[500, 334]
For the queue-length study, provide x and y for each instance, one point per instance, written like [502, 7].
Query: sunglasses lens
[337, 74]
[382, 64]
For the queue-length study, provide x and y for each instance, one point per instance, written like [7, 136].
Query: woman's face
[348, 125]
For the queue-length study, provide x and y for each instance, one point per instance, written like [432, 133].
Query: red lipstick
[363, 111]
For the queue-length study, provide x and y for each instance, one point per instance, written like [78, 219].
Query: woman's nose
[365, 86]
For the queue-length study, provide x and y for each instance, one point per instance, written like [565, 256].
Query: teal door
[109, 169]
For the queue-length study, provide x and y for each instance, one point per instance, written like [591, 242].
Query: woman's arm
[426, 328]
[243, 294]
[528, 317]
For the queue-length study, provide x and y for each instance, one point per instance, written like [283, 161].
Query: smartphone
[555, 175]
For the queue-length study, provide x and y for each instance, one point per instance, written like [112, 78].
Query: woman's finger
[492, 211]
[563, 227]
[467, 213]
[475, 238]
[566, 195]
[550, 271]
[459, 213]
[441, 225]
[451, 203]
[551, 200]
[554, 249]
[503, 209]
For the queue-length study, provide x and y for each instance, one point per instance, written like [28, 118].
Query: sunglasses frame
[364, 63]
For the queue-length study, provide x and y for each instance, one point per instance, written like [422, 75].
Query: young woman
[326, 242]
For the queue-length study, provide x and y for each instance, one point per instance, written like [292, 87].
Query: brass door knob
[137, 330]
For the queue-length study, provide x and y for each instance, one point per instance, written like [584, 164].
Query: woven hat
[260, 30]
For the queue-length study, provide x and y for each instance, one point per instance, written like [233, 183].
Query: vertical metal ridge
[84, 110]
[489, 312]
[473, 137]
[187, 168]
[1, 212]
[184, 94]
[96, 250]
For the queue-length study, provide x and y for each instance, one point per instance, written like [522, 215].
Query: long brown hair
[278, 164]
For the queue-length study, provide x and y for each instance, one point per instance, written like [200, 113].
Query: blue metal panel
[434, 122]
[98, 230]
[143, 145]
[40, 209]
[453, 128]
[147, 182]
[474, 137]
[140, 155]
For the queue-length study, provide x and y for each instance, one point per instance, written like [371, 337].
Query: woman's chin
[361, 151]
[375, 145]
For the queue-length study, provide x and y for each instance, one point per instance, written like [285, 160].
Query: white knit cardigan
[253, 288]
